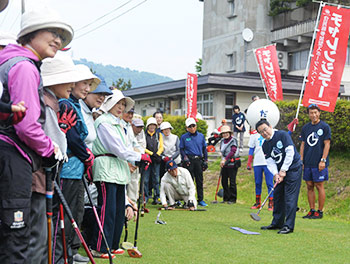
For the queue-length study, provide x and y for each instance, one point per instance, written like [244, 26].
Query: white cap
[59, 69]
[151, 121]
[7, 38]
[190, 121]
[165, 125]
[44, 18]
[84, 73]
[113, 99]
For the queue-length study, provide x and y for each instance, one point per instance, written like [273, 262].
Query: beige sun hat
[58, 70]
[7, 38]
[85, 73]
[151, 121]
[165, 125]
[45, 18]
[225, 129]
[113, 99]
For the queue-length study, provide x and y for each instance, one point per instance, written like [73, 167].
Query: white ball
[263, 109]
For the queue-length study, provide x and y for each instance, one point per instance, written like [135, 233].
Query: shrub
[178, 123]
[338, 121]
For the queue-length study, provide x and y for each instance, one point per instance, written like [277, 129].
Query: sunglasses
[191, 126]
[55, 34]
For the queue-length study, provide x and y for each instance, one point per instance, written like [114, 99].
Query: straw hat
[59, 69]
[225, 129]
[84, 73]
[151, 121]
[45, 18]
[165, 125]
[113, 99]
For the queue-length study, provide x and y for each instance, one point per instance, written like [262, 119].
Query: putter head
[134, 253]
[214, 202]
[255, 217]
[127, 245]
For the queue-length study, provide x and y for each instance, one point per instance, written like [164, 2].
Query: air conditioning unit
[282, 57]
[178, 112]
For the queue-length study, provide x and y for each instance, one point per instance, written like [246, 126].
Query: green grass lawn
[206, 237]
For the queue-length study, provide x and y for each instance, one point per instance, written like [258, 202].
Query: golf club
[134, 252]
[74, 224]
[255, 216]
[49, 195]
[217, 189]
[97, 219]
[182, 209]
[126, 245]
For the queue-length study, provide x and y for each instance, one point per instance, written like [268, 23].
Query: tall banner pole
[263, 83]
[186, 103]
[322, 4]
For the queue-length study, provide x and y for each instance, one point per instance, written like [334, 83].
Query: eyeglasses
[55, 34]
[263, 130]
[191, 126]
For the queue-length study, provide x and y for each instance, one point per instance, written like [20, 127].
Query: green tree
[121, 85]
[279, 6]
[199, 66]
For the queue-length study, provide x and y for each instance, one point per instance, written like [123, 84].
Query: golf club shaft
[267, 197]
[217, 188]
[74, 224]
[97, 219]
[49, 195]
[64, 245]
[126, 229]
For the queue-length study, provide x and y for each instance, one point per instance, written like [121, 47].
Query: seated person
[177, 184]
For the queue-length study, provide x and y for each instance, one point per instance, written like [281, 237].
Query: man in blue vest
[193, 149]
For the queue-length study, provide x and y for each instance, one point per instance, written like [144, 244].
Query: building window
[144, 112]
[299, 60]
[231, 62]
[205, 104]
[229, 102]
[232, 8]
[347, 62]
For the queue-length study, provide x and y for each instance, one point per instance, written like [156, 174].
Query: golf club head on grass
[255, 216]
[127, 245]
[134, 253]
[214, 202]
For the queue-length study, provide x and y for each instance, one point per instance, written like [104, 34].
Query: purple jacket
[23, 83]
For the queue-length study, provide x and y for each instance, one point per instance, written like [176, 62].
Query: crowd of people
[75, 126]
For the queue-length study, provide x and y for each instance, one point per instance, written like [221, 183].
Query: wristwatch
[323, 160]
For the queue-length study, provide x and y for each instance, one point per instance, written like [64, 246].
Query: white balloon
[263, 109]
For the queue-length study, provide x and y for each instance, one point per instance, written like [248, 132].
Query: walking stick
[217, 189]
[74, 224]
[134, 252]
[97, 219]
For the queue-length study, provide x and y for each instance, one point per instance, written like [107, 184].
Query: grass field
[206, 237]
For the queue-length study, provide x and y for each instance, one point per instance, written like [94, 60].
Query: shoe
[270, 227]
[202, 203]
[285, 230]
[317, 215]
[255, 206]
[97, 254]
[156, 202]
[79, 258]
[118, 251]
[310, 214]
[270, 207]
[231, 202]
[223, 202]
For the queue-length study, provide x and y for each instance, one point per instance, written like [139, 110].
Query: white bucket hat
[113, 99]
[7, 38]
[165, 125]
[190, 121]
[58, 70]
[151, 121]
[84, 73]
[44, 18]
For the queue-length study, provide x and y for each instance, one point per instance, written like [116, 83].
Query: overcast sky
[158, 36]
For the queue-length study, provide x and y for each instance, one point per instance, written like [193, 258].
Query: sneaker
[202, 203]
[80, 259]
[255, 206]
[317, 215]
[118, 251]
[310, 214]
[97, 254]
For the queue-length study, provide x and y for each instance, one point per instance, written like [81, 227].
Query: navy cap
[171, 164]
[102, 87]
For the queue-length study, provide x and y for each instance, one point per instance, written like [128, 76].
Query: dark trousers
[73, 191]
[196, 171]
[285, 199]
[152, 173]
[15, 200]
[230, 191]
[111, 203]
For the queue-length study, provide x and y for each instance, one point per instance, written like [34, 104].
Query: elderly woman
[24, 145]
[111, 171]
[229, 164]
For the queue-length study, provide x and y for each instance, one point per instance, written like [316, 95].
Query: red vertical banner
[191, 95]
[328, 58]
[270, 73]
